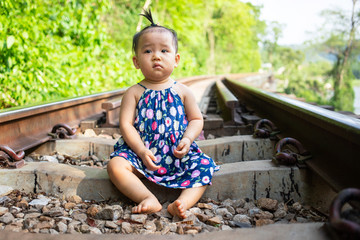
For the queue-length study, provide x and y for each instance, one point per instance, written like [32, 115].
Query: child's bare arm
[195, 125]
[129, 133]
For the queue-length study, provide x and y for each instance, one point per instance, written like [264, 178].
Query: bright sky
[299, 16]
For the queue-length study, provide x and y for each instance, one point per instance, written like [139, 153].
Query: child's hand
[148, 159]
[183, 148]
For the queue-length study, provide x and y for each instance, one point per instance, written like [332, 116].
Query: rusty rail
[22, 129]
[332, 138]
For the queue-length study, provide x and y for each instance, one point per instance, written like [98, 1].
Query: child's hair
[147, 14]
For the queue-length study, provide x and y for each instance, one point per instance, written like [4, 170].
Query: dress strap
[146, 87]
[142, 85]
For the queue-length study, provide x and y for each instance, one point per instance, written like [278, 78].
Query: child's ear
[135, 61]
[177, 59]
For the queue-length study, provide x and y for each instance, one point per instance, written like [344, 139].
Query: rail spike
[62, 131]
[349, 228]
[264, 128]
[8, 157]
[288, 157]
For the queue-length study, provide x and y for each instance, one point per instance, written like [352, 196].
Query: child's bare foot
[148, 205]
[177, 208]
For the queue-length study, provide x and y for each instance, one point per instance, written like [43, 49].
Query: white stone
[225, 227]
[61, 227]
[49, 159]
[126, 227]
[139, 218]
[253, 211]
[173, 227]
[195, 210]
[7, 218]
[110, 224]
[32, 215]
[94, 230]
[223, 212]
[84, 228]
[241, 218]
[89, 133]
[150, 225]
[42, 202]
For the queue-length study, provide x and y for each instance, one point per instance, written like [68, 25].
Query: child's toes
[134, 209]
[144, 209]
[177, 208]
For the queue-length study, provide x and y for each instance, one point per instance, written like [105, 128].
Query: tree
[236, 27]
[340, 43]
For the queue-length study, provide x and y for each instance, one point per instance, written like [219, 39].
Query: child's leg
[186, 200]
[126, 178]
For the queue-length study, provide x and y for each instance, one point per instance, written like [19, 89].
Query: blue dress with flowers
[161, 122]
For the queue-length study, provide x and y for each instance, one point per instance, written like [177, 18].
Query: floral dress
[161, 122]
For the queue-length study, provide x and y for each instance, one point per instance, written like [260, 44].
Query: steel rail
[22, 129]
[332, 138]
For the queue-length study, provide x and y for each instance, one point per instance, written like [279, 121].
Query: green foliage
[345, 98]
[309, 83]
[238, 20]
[343, 71]
[58, 49]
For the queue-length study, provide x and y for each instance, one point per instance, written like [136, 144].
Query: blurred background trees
[57, 49]
[341, 43]
[52, 50]
[325, 69]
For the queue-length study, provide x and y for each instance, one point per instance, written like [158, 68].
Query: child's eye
[164, 50]
[147, 51]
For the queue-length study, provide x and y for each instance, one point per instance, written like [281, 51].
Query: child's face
[156, 56]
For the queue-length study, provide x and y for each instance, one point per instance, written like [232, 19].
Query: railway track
[332, 138]
[308, 138]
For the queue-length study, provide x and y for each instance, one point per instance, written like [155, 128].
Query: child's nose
[156, 56]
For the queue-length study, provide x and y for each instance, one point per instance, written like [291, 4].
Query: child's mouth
[157, 66]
